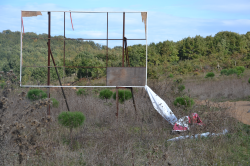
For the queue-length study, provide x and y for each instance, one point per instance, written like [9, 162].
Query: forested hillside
[197, 54]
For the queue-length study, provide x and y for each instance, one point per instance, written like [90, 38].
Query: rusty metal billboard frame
[34, 13]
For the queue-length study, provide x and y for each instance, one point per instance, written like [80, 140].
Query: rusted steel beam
[107, 49]
[48, 76]
[117, 103]
[123, 32]
[64, 43]
[74, 39]
[59, 80]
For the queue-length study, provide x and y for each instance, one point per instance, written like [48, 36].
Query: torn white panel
[161, 106]
[198, 135]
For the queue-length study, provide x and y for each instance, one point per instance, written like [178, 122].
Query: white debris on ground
[198, 135]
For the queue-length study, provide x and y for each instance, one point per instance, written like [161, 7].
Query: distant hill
[197, 54]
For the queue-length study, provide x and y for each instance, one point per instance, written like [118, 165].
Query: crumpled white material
[161, 106]
[199, 135]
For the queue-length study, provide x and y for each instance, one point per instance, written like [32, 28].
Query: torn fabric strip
[161, 106]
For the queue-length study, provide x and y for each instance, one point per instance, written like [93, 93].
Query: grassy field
[30, 137]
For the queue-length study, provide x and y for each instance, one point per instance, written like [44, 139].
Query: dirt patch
[238, 109]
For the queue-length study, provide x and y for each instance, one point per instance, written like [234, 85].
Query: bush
[240, 69]
[55, 103]
[71, 119]
[105, 94]
[181, 88]
[232, 71]
[81, 92]
[2, 84]
[121, 93]
[249, 80]
[35, 94]
[186, 101]
[210, 74]
[170, 75]
[223, 72]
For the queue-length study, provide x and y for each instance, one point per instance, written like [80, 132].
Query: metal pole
[123, 39]
[107, 47]
[64, 44]
[59, 81]
[117, 102]
[48, 76]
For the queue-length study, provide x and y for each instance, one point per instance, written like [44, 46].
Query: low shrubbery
[170, 75]
[55, 103]
[105, 94]
[81, 92]
[209, 74]
[185, 101]
[123, 95]
[2, 84]
[35, 94]
[239, 70]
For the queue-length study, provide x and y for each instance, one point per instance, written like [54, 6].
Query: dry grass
[30, 137]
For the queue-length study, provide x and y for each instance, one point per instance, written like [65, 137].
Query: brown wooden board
[126, 76]
[30, 13]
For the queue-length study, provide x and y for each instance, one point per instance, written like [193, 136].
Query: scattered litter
[198, 135]
[161, 106]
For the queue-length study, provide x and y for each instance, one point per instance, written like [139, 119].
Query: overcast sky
[167, 20]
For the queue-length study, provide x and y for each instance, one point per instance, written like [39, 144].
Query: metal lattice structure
[115, 76]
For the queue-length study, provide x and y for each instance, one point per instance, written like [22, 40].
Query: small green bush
[105, 94]
[181, 88]
[209, 74]
[170, 75]
[71, 119]
[55, 103]
[223, 72]
[121, 93]
[2, 84]
[249, 80]
[186, 101]
[81, 92]
[35, 94]
[240, 69]
[232, 71]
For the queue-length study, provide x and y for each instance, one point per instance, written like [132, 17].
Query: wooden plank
[126, 76]
[30, 13]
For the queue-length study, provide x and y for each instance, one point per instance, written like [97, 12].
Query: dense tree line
[225, 49]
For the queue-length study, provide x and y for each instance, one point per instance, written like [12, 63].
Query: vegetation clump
[123, 95]
[105, 94]
[81, 92]
[239, 70]
[71, 120]
[35, 94]
[55, 103]
[170, 75]
[209, 74]
[185, 101]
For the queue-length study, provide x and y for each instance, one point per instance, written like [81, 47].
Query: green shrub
[2, 84]
[186, 101]
[209, 74]
[231, 71]
[123, 94]
[55, 103]
[249, 80]
[240, 69]
[170, 75]
[105, 94]
[81, 92]
[223, 72]
[71, 119]
[35, 94]
[181, 88]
